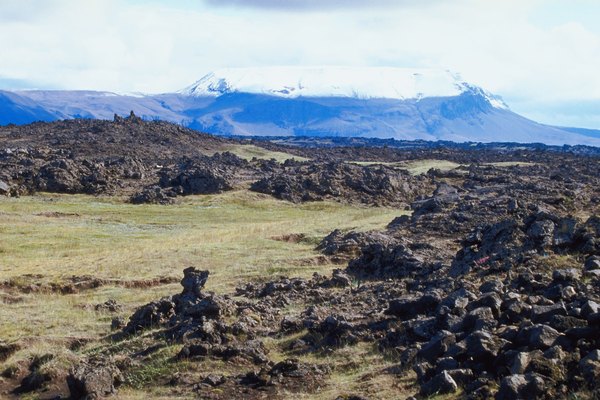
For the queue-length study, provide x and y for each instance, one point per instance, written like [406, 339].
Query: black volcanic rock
[374, 185]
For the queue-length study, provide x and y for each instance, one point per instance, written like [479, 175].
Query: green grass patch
[250, 151]
[48, 238]
[416, 167]
[229, 234]
[157, 366]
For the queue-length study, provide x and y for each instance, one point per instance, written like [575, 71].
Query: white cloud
[310, 5]
[163, 46]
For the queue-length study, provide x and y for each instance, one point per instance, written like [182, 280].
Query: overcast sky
[541, 56]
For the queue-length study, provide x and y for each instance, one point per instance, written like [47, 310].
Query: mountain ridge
[368, 102]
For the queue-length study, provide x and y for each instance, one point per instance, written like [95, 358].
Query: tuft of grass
[449, 396]
[355, 370]
[557, 261]
[157, 366]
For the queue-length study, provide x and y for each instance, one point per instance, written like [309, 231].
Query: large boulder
[152, 315]
[528, 386]
[541, 314]
[589, 367]
[191, 302]
[202, 180]
[442, 383]
[193, 281]
[483, 346]
[92, 380]
[511, 387]
[4, 188]
[376, 185]
[153, 195]
[389, 260]
[60, 176]
[410, 307]
[542, 232]
[349, 244]
[437, 346]
[543, 337]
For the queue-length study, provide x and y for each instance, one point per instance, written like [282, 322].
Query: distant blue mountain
[17, 109]
[594, 133]
[283, 102]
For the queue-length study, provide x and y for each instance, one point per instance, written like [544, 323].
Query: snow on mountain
[353, 82]
[327, 101]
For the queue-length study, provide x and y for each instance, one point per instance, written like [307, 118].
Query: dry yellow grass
[512, 164]
[360, 370]
[249, 151]
[230, 234]
[419, 167]
[416, 167]
[55, 237]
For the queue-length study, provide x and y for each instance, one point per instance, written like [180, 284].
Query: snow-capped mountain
[348, 82]
[325, 101]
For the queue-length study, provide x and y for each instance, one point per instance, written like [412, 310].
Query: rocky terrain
[120, 157]
[488, 288]
[376, 185]
[155, 162]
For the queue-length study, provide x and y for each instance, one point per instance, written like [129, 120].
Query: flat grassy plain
[418, 167]
[249, 151]
[48, 239]
[231, 234]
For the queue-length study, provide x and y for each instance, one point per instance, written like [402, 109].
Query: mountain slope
[99, 105]
[332, 101]
[595, 133]
[17, 109]
[468, 117]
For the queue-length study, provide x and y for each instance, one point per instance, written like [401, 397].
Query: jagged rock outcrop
[374, 185]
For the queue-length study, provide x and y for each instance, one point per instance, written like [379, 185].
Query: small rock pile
[213, 326]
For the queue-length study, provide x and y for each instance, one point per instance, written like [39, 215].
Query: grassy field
[229, 234]
[249, 151]
[512, 164]
[415, 167]
[418, 167]
[48, 239]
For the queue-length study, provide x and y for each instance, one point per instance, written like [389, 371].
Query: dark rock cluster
[102, 157]
[201, 175]
[213, 326]
[375, 185]
[156, 162]
[491, 285]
